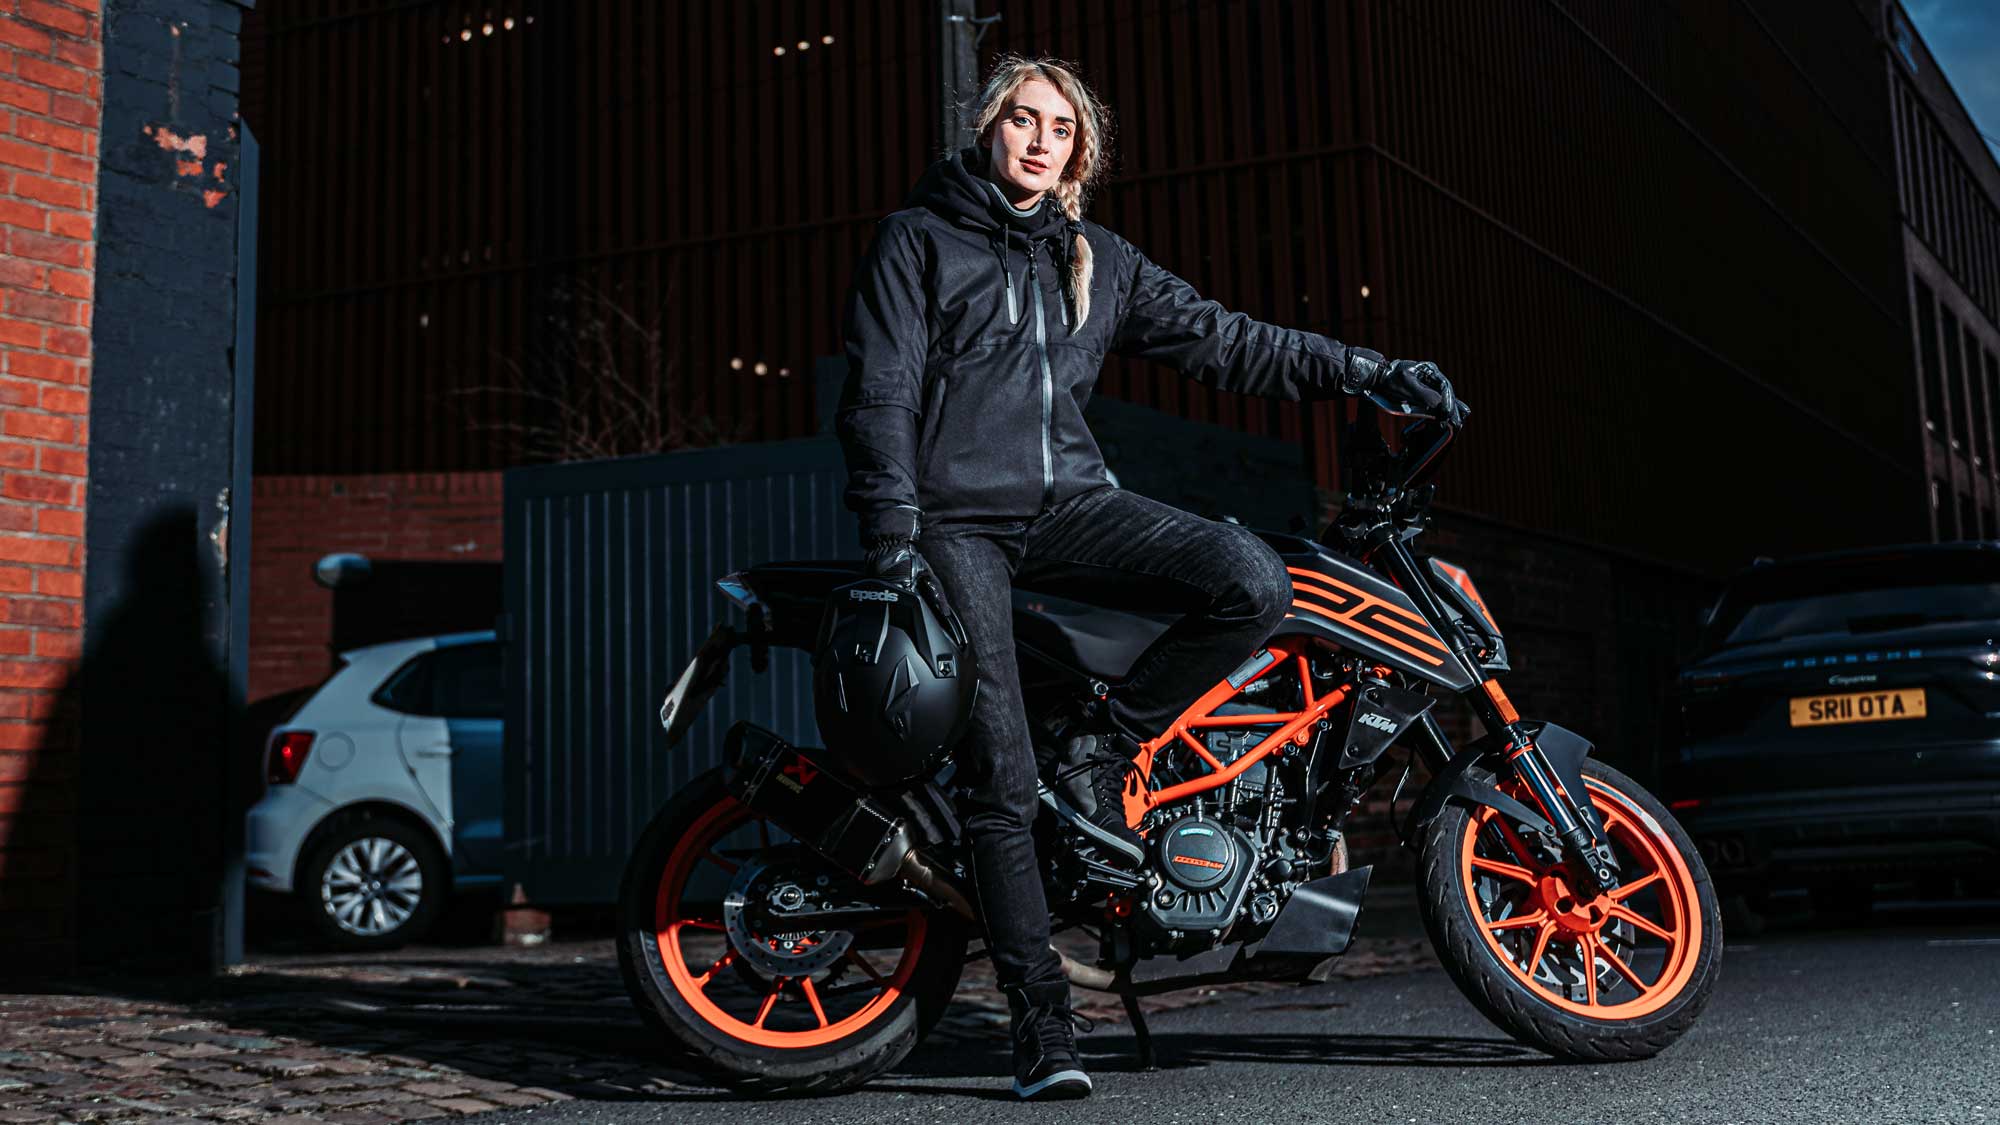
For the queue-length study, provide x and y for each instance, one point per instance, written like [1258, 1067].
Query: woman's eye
[1061, 132]
[1021, 120]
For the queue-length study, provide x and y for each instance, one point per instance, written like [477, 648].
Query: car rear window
[459, 682]
[1856, 599]
[1871, 611]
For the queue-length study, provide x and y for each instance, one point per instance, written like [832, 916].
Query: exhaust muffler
[828, 814]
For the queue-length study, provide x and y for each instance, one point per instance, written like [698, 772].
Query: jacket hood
[955, 189]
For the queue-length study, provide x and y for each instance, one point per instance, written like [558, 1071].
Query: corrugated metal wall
[456, 174]
[1655, 243]
[1663, 260]
[610, 589]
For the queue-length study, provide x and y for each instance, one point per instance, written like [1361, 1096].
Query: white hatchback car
[384, 790]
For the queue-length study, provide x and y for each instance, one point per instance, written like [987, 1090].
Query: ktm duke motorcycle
[787, 930]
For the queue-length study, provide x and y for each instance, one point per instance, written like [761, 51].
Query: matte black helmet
[893, 680]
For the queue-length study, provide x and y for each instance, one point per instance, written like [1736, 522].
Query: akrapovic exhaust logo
[874, 595]
[796, 776]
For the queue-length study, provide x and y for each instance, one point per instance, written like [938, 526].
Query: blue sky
[1964, 37]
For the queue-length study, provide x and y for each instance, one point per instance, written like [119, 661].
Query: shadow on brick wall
[149, 784]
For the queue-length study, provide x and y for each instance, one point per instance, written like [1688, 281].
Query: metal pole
[957, 69]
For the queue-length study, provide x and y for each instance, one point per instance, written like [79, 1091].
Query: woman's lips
[1034, 166]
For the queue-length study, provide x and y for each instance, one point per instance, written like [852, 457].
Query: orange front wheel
[1603, 976]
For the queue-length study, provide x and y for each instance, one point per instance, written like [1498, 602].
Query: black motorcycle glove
[1402, 386]
[894, 559]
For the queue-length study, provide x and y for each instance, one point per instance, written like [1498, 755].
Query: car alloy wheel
[372, 886]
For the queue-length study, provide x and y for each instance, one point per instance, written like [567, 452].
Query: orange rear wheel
[737, 981]
[748, 1000]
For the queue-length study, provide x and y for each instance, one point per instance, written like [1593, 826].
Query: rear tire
[665, 911]
[1528, 975]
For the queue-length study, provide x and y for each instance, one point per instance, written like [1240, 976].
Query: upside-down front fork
[1583, 841]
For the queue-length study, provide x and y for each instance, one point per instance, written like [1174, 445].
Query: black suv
[1842, 724]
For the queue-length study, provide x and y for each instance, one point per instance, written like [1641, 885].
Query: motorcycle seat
[1099, 642]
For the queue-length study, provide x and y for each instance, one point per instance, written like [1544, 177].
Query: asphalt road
[1898, 1022]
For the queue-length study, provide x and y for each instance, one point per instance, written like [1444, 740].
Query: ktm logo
[1379, 722]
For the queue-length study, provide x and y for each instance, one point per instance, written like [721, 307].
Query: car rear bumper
[276, 828]
[1800, 835]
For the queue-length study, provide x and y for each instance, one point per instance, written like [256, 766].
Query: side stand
[1142, 1036]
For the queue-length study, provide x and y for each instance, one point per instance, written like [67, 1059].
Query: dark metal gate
[610, 571]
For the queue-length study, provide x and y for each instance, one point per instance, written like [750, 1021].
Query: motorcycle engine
[1203, 870]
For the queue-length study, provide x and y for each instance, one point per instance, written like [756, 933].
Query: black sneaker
[1046, 1066]
[1090, 780]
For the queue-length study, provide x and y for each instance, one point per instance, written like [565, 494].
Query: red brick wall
[297, 519]
[51, 91]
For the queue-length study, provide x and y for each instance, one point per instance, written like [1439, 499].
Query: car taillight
[288, 755]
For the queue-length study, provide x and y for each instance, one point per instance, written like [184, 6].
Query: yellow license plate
[1857, 707]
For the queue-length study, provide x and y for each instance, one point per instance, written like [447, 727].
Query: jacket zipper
[1048, 379]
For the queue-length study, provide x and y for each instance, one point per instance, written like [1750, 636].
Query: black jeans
[1106, 547]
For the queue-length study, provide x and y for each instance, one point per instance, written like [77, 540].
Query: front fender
[1564, 749]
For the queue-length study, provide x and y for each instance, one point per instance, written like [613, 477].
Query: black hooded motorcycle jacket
[968, 374]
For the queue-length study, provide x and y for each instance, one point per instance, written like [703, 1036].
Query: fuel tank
[1363, 612]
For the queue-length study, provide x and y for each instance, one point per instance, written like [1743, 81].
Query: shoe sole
[1135, 854]
[1061, 1084]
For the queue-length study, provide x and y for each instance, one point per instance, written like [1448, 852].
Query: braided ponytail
[1082, 261]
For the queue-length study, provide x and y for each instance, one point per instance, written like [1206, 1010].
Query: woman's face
[1032, 141]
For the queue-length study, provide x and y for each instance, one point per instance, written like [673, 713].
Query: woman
[975, 330]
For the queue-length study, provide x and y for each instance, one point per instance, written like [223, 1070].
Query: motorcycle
[786, 930]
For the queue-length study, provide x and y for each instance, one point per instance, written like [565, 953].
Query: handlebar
[1370, 465]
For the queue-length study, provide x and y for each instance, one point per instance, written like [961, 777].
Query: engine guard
[1318, 920]
[1316, 924]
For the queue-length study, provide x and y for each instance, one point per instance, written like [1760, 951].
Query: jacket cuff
[1363, 369]
[898, 522]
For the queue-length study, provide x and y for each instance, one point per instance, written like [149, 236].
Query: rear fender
[699, 681]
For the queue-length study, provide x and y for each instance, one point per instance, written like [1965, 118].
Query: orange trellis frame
[1295, 729]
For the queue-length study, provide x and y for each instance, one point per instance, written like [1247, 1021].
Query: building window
[1980, 442]
[1900, 35]
[1954, 400]
[1993, 407]
[1927, 349]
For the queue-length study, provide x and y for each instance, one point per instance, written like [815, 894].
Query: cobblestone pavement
[420, 1034]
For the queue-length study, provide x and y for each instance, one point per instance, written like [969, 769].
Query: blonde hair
[1086, 161]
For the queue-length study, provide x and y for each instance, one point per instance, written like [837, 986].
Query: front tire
[721, 997]
[1613, 978]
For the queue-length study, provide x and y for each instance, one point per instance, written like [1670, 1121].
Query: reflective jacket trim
[1048, 376]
